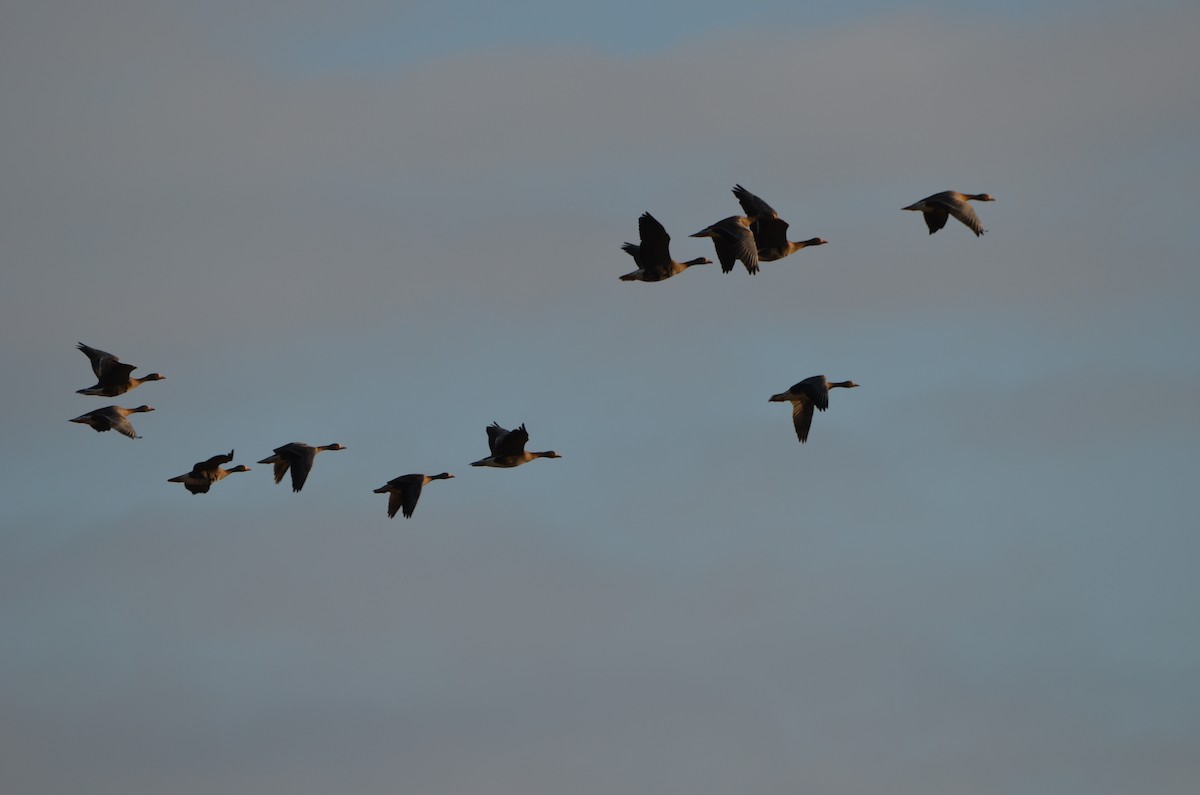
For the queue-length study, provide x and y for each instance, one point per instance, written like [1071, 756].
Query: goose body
[113, 377]
[298, 457]
[938, 208]
[404, 491]
[653, 255]
[770, 231]
[112, 418]
[733, 240]
[811, 393]
[508, 448]
[206, 473]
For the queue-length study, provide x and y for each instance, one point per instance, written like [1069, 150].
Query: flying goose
[299, 457]
[404, 491]
[508, 448]
[113, 377]
[206, 473]
[733, 240]
[940, 206]
[770, 231]
[812, 392]
[653, 256]
[112, 418]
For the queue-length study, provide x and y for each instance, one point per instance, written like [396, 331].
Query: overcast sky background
[390, 223]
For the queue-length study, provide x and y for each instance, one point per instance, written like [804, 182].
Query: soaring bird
[733, 240]
[299, 457]
[653, 256]
[770, 231]
[508, 448]
[404, 491]
[206, 473]
[113, 377]
[812, 392]
[112, 418]
[940, 206]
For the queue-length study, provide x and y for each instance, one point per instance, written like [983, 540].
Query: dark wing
[495, 434]
[116, 374]
[302, 463]
[99, 359]
[815, 388]
[395, 500]
[512, 443]
[209, 468]
[283, 458]
[726, 253]
[770, 235]
[197, 486]
[734, 241]
[634, 251]
[282, 465]
[802, 414]
[935, 219]
[100, 419]
[753, 206]
[403, 492]
[656, 245]
[112, 376]
[410, 493]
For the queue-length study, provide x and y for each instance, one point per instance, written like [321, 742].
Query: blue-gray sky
[391, 224]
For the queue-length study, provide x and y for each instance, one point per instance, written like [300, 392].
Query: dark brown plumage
[298, 457]
[508, 448]
[940, 206]
[113, 377]
[206, 473]
[653, 256]
[404, 491]
[770, 231]
[733, 241]
[112, 418]
[812, 392]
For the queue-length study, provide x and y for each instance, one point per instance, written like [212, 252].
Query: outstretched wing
[935, 219]
[209, 468]
[495, 434]
[733, 241]
[964, 212]
[99, 359]
[410, 493]
[656, 246]
[302, 463]
[770, 234]
[802, 414]
[753, 206]
[282, 459]
[512, 443]
[122, 425]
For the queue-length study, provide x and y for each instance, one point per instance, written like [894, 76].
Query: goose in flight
[113, 377]
[811, 393]
[112, 418]
[404, 491]
[508, 448]
[940, 206]
[299, 458]
[653, 256]
[770, 231]
[733, 240]
[206, 473]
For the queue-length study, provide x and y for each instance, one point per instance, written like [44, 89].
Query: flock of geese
[758, 236]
